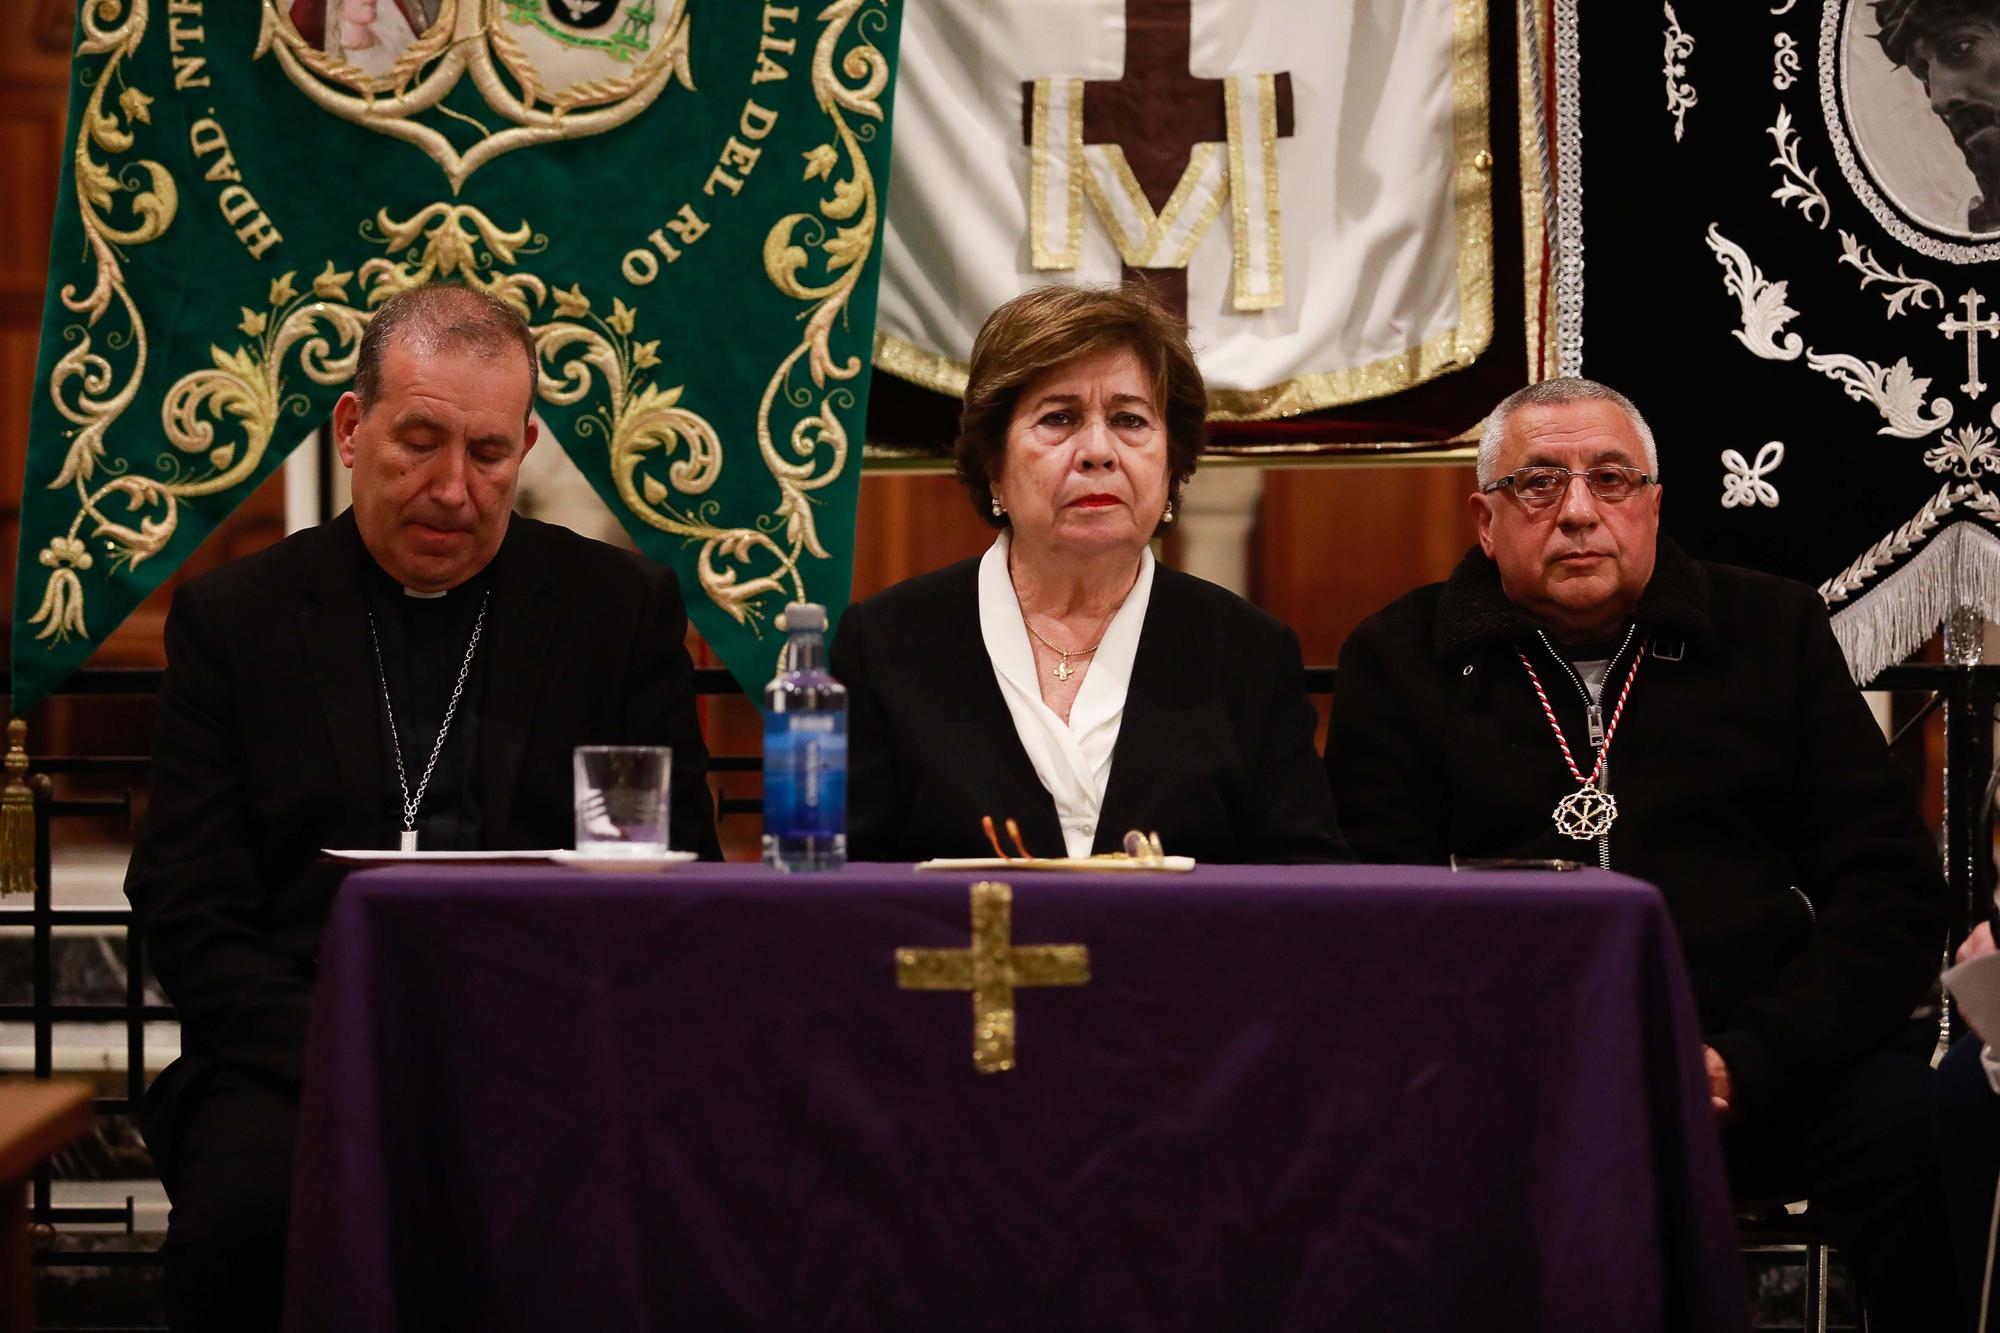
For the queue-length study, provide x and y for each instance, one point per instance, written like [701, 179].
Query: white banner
[1315, 172]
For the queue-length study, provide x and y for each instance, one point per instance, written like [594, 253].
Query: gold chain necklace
[1061, 670]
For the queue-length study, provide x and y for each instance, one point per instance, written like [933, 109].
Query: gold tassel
[17, 816]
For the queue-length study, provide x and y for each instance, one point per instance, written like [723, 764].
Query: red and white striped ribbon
[1556, 726]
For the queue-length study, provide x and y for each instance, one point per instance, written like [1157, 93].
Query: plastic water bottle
[805, 751]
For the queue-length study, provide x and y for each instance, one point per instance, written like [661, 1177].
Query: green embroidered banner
[682, 197]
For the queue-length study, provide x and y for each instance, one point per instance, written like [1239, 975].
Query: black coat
[1753, 787]
[1215, 751]
[269, 749]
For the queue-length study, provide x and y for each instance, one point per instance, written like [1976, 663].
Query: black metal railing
[43, 1011]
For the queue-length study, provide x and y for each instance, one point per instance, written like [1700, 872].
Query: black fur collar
[1473, 613]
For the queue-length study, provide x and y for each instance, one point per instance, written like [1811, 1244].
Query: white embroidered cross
[1971, 326]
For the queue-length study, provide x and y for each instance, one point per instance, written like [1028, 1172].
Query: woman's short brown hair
[1052, 326]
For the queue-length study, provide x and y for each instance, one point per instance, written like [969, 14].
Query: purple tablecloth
[1380, 1098]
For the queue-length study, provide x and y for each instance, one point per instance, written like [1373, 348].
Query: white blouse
[1072, 759]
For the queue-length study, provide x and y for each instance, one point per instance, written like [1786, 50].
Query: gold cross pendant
[992, 969]
[1061, 669]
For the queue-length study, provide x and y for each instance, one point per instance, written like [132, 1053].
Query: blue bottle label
[805, 774]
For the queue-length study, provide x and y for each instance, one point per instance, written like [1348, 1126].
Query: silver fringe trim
[1569, 187]
[1958, 567]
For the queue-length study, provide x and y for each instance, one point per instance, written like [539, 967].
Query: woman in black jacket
[1065, 679]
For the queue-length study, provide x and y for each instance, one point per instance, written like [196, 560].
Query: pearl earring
[998, 508]
[1168, 516]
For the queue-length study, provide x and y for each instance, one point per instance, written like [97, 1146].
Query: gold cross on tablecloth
[991, 969]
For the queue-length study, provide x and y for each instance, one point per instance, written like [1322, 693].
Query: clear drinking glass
[621, 799]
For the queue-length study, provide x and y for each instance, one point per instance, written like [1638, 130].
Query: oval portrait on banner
[546, 70]
[575, 50]
[370, 35]
[1920, 85]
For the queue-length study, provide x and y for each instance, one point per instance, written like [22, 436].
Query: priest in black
[416, 671]
[1580, 688]
[1066, 680]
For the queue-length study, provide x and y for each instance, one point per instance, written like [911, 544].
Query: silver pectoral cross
[1971, 326]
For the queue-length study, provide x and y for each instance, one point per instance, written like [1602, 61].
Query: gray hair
[1556, 393]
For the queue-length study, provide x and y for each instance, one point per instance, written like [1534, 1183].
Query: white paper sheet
[1976, 987]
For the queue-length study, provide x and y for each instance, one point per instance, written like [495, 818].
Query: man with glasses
[1581, 689]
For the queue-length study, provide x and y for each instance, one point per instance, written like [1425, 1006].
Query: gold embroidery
[244, 389]
[1130, 247]
[642, 418]
[919, 365]
[1211, 206]
[1267, 136]
[1454, 349]
[81, 384]
[1077, 168]
[992, 969]
[1450, 350]
[1472, 192]
[247, 384]
[1040, 150]
[1239, 201]
[643, 424]
[1038, 182]
[1104, 174]
[468, 40]
[1145, 246]
[1257, 286]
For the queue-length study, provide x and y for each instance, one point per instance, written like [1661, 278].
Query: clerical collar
[383, 585]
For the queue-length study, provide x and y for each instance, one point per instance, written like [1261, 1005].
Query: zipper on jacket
[1593, 713]
[1812, 917]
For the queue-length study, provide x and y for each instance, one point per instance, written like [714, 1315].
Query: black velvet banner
[1783, 245]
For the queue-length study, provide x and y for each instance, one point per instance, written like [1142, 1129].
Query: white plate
[600, 861]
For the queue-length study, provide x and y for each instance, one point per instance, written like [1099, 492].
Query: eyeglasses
[1540, 487]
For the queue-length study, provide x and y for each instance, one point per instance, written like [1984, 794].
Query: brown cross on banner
[992, 969]
[1157, 112]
